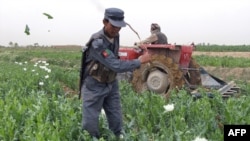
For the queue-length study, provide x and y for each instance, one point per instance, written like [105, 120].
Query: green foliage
[223, 48]
[222, 61]
[48, 15]
[34, 111]
[27, 30]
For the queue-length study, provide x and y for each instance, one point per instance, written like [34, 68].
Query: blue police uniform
[97, 93]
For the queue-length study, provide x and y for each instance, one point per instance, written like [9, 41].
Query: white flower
[44, 62]
[121, 136]
[20, 63]
[25, 62]
[24, 69]
[200, 139]
[169, 107]
[16, 62]
[41, 83]
[47, 76]
[48, 70]
[42, 67]
[33, 70]
[103, 112]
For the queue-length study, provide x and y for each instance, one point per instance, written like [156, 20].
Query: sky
[222, 22]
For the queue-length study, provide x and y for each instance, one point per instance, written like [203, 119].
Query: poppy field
[39, 102]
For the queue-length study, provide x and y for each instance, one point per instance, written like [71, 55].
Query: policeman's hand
[145, 58]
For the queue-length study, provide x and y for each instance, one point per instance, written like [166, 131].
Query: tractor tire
[145, 78]
[157, 81]
[193, 75]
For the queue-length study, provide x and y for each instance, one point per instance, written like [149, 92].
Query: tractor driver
[156, 37]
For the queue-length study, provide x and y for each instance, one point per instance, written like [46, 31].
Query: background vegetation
[35, 111]
[223, 48]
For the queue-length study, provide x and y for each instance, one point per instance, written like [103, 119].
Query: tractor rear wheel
[161, 75]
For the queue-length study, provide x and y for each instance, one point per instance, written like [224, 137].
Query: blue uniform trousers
[96, 96]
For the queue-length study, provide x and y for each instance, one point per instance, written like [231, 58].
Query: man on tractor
[156, 37]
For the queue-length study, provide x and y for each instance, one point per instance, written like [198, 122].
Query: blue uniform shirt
[102, 50]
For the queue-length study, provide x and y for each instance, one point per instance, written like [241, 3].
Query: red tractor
[172, 66]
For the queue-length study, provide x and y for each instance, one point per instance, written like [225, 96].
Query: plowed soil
[228, 73]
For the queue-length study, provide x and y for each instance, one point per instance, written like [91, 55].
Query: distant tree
[36, 44]
[10, 44]
[16, 45]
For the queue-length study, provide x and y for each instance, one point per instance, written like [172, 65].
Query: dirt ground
[228, 73]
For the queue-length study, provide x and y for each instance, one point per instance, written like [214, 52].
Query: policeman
[156, 37]
[100, 67]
